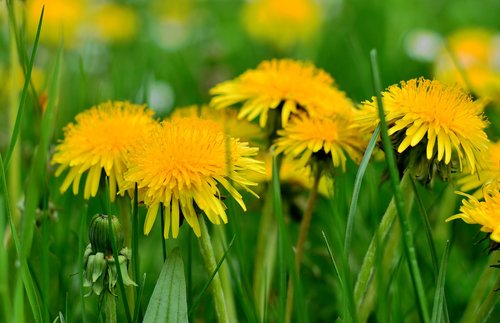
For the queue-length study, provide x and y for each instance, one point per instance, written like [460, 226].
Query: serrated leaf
[168, 302]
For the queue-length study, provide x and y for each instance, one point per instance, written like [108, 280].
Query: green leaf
[168, 302]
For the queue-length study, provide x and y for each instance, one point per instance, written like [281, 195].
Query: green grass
[378, 248]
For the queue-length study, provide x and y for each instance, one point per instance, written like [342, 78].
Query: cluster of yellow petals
[282, 23]
[474, 182]
[179, 165]
[470, 60]
[100, 139]
[290, 85]
[335, 136]
[442, 117]
[486, 213]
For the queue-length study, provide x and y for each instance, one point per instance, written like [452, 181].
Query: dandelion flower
[99, 139]
[321, 138]
[471, 61]
[486, 213]
[115, 23]
[491, 170]
[228, 118]
[62, 19]
[442, 121]
[287, 85]
[282, 23]
[180, 165]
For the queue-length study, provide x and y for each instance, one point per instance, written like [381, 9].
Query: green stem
[110, 307]
[265, 254]
[207, 253]
[299, 249]
[219, 244]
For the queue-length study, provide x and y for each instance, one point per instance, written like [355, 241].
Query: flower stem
[110, 307]
[303, 232]
[208, 255]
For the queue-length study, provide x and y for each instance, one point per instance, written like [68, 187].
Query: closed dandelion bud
[99, 234]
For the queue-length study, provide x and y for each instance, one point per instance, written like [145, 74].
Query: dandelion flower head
[115, 23]
[442, 119]
[486, 213]
[284, 84]
[180, 165]
[99, 139]
[61, 19]
[472, 60]
[282, 23]
[474, 182]
[334, 137]
[228, 118]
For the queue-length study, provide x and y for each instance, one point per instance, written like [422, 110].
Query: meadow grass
[378, 248]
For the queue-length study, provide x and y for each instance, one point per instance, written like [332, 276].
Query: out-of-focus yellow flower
[115, 23]
[62, 20]
[286, 85]
[180, 165]
[438, 121]
[472, 60]
[282, 23]
[227, 118]
[100, 139]
[474, 182]
[486, 213]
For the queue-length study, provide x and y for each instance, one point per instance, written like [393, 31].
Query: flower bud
[99, 234]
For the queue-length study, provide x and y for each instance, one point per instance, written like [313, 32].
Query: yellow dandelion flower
[287, 85]
[443, 119]
[228, 118]
[282, 23]
[473, 182]
[115, 23]
[471, 61]
[62, 20]
[486, 213]
[180, 165]
[333, 137]
[99, 139]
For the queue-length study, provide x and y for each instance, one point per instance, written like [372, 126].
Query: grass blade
[439, 299]
[29, 285]
[394, 178]
[357, 187]
[168, 302]
[24, 93]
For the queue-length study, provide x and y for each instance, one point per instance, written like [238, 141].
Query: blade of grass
[81, 251]
[357, 187]
[29, 285]
[24, 93]
[286, 261]
[138, 298]
[394, 178]
[439, 300]
[5, 297]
